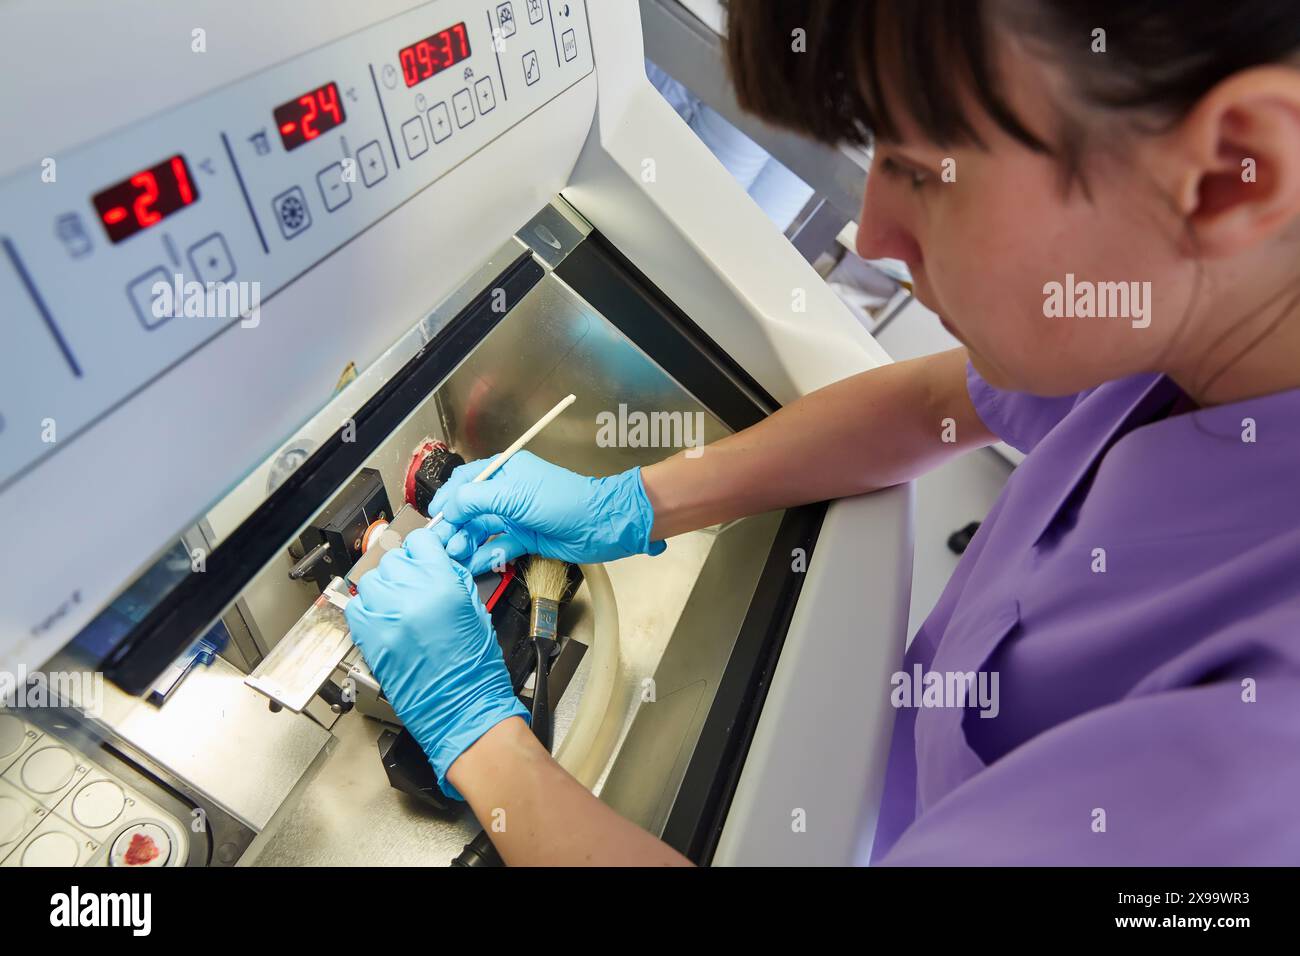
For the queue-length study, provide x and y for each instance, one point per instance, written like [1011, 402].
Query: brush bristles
[547, 578]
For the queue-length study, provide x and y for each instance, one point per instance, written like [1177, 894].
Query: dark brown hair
[933, 57]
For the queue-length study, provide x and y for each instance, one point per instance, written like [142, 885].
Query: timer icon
[291, 212]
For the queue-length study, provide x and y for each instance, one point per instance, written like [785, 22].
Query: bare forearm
[538, 815]
[873, 430]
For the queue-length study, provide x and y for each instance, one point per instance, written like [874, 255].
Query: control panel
[166, 234]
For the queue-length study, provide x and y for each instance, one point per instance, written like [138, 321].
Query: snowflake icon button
[291, 212]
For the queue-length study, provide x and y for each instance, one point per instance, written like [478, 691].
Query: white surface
[52, 849]
[12, 735]
[947, 499]
[699, 237]
[810, 791]
[12, 815]
[98, 804]
[48, 770]
[709, 12]
[222, 739]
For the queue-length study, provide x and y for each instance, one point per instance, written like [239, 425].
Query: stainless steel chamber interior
[679, 613]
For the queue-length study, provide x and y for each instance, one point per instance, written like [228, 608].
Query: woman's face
[986, 230]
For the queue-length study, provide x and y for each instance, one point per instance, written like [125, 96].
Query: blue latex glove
[428, 640]
[539, 508]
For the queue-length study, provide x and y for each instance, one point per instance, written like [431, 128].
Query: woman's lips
[922, 295]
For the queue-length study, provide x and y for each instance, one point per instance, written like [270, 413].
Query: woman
[1102, 201]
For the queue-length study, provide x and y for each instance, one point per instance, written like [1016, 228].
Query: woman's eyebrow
[899, 152]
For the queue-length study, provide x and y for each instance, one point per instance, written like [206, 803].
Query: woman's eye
[913, 176]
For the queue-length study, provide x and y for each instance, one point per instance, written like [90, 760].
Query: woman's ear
[1236, 159]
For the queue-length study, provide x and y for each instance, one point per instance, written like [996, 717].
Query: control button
[532, 72]
[145, 844]
[371, 160]
[464, 107]
[534, 10]
[72, 233]
[211, 259]
[98, 804]
[570, 44]
[506, 19]
[487, 100]
[417, 141]
[439, 122]
[333, 190]
[291, 212]
[140, 292]
[48, 770]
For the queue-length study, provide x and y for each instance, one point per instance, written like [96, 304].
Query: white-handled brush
[490, 470]
[520, 442]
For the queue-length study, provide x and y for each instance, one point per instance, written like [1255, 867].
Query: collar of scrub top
[1163, 468]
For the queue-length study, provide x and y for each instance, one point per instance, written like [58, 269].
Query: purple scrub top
[1148, 713]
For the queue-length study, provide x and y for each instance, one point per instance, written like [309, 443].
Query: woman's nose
[881, 234]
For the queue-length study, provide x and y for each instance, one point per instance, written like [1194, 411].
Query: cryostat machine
[265, 282]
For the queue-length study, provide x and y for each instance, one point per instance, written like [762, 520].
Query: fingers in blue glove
[536, 507]
[490, 497]
[460, 475]
[444, 530]
[376, 593]
[425, 547]
[399, 568]
[472, 534]
[358, 617]
[495, 554]
[380, 590]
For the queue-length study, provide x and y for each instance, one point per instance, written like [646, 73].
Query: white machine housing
[156, 422]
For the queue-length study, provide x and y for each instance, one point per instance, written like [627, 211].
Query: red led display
[304, 118]
[433, 54]
[145, 199]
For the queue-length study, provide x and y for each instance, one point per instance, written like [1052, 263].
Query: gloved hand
[428, 640]
[540, 508]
